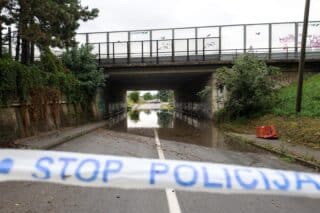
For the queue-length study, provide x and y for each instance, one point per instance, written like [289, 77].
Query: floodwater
[175, 126]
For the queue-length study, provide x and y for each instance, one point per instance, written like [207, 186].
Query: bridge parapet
[269, 41]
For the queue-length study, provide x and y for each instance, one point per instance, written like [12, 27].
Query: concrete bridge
[184, 59]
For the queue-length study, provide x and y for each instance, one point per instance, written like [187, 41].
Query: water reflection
[175, 126]
[134, 116]
[165, 119]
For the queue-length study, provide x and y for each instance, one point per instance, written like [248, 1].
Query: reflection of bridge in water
[269, 41]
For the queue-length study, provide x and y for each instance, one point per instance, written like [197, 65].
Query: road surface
[42, 197]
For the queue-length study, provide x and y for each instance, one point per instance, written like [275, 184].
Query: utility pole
[302, 57]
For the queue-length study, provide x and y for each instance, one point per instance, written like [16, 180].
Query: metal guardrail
[204, 52]
[280, 40]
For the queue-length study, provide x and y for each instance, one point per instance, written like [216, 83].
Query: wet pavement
[176, 127]
[182, 138]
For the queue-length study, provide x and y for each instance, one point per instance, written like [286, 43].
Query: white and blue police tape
[136, 173]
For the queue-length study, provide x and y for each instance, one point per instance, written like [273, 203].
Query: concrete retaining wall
[16, 121]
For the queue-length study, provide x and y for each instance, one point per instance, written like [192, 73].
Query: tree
[81, 62]
[250, 85]
[147, 96]
[5, 19]
[165, 95]
[47, 23]
[134, 96]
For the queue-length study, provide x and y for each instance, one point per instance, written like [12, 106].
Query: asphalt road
[41, 197]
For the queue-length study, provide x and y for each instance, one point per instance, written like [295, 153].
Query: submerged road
[41, 197]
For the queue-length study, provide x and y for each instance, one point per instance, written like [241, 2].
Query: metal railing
[275, 41]
[186, 50]
[194, 43]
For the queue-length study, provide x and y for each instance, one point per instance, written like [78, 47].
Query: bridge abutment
[200, 97]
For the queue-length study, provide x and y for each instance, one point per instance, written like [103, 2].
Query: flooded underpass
[176, 126]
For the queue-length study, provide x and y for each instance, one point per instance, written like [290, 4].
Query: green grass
[310, 101]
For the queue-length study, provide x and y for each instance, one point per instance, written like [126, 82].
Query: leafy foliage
[81, 62]
[165, 95]
[147, 96]
[250, 85]
[50, 23]
[134, 96]
[8, 75]
[203, 94]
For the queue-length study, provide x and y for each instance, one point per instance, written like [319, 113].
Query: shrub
[8, 75]
[250, 85]
[134, 96]
[82, 63]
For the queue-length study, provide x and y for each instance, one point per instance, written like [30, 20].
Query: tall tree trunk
[18, 46]
[31, 52]
[25, 52]
[0, 39]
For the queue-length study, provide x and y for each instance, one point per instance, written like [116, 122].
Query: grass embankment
[301, 129]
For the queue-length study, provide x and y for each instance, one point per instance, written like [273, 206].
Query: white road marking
[172, 199]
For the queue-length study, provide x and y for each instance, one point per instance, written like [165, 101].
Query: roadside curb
[284, 153]
[60, 137]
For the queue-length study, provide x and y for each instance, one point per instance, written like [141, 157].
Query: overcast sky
[141, 14]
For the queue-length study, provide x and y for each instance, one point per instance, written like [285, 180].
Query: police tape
[135, 173]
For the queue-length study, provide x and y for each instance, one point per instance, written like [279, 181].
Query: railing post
[128, 52]
[296, 38]
[172, 45]
[203, 49]
[128, 47]
[150, 40]
[9, 41]
[172, 50]
[196, 40]
[99, 53]
[157, 46]
[220, 42]
[270, 41]
[188, 54]
[108, 46]
[113, 54]
[244, 38]
[87, 38]
[142, 50]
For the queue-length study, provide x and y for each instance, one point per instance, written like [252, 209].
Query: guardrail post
[150, 39]
[157, 46]
[113, 54]
[128, 47]
[196, 40]
[128, 52]
[244, 38]
[270, 41]
[172, 50]
[188, 54]
[220, 42]
[203, 49]
[296, 38]
[108, 46]
[142, 50]
[99, 53]
[87, 38]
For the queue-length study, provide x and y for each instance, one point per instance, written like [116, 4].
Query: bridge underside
[185, 83]
[186, 80]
